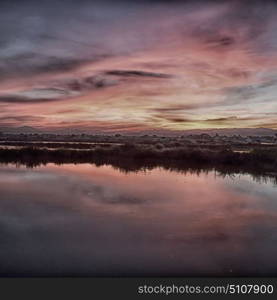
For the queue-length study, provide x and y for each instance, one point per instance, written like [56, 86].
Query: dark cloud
[231, 119]
[67, 111]
[89, 83]
[215, 121]
[267, 125]
[60, 90]
[173, 118]
[176, 108]
[35, 96]
[20, 118]
[127, 73]
[24, 99]
[242, 23]
[224, 119]
[178, 120]
[223, 41]
[73, 87]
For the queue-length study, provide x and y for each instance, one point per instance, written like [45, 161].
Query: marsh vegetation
[260, 161]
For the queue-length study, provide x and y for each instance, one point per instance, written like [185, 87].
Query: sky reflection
[84, 220]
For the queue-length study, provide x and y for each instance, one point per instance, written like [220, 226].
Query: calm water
[88, 220]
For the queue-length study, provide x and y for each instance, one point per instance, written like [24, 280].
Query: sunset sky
[138, 65]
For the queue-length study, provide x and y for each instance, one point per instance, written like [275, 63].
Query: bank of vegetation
[130, 157]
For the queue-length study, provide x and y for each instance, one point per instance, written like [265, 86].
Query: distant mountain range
[235, 131]
[22, 129]
[224, 131]
[32, 130]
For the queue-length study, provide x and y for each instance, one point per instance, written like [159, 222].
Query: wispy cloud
[136, 64]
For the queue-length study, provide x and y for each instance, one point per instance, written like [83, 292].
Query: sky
[111, 66]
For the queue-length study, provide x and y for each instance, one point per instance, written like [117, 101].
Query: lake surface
[82, 220]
